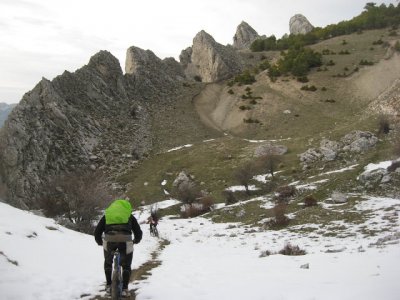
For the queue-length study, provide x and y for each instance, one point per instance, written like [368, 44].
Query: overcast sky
[42, 38]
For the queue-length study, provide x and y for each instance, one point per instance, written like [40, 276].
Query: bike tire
[116, 281]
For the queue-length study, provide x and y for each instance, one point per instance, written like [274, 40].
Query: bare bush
[268, 163]
[192, 210]
[289, 249]
[285, 192]
[78, 197]
[280, 218]
[229, 197]
[310, 201]
[394, 166]
[187, 192]
[396, 149]
[383, 125]
[244, 174]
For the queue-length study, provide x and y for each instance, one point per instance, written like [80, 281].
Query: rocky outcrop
[298, 24]
[79, 121]
[354, 142]
[209, 61]
[244, 36]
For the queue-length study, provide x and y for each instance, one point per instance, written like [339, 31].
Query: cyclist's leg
[108, 260]
[126, 261]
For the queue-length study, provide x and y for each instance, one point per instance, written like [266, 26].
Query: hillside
[289, 116]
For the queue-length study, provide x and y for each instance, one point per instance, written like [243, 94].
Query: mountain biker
[117, 224]
[152, 220]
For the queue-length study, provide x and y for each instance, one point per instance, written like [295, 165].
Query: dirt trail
[142, 272]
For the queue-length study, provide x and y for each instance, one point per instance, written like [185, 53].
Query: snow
[381, 165]
[237, 188]
[222, 261]
[180, 147]
[208, 261]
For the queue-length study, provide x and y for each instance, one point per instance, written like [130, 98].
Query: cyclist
[117, 224]
[153, 221]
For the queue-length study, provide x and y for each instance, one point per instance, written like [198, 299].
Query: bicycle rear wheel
[116, 280]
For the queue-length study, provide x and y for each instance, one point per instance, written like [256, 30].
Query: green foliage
[397, 46]
[308, 88]
[365, 62]
[297, 61]
[245, 78]
[373, 17]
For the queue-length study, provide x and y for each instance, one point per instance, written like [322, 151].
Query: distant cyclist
[117, 224]
[153, 221]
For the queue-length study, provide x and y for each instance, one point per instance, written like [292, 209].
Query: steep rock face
[244, 36]
[73, 122]
[298, 24]
[210, 60]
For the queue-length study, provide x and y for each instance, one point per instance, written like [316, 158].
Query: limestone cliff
[210, 61]
[244, 36]
[298, 24]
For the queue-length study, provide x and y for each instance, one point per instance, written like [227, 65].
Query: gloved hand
[135, 241]
[100, 243]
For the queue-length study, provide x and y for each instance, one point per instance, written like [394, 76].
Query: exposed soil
[141, 273]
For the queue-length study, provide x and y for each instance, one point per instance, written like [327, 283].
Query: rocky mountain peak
[298, 24]
[105, 63]
[244, 36]
[208, 60]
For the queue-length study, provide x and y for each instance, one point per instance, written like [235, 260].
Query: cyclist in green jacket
[118, 224]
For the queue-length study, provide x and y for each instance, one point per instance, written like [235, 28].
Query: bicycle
[116, 277]
[153, 231]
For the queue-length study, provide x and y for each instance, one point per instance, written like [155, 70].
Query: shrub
[344, 52]
[344, 42]
[79, 197]
[264, 65]
[383, 125]
[397, 46]
[244, 174]
[229, 197]
[303, 79]
[308, 88]
[197, 78]
[187, 192]
[324, 89]
[280, 219]
[285, 192]
[289, 249]
[330, 63]
[378, 42]
[268, 163]
[394, 166]
[245, 78]
[244, 107]
[251, 121]
[365, 62]
[310, 201]
[396, 149]
[230, 92]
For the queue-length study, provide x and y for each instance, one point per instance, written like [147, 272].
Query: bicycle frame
[116, 279]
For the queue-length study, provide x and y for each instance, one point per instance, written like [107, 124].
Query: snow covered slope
[204, 260]
[42, 260]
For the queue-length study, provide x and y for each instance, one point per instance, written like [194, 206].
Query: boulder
[338, 197]
[359, 141]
